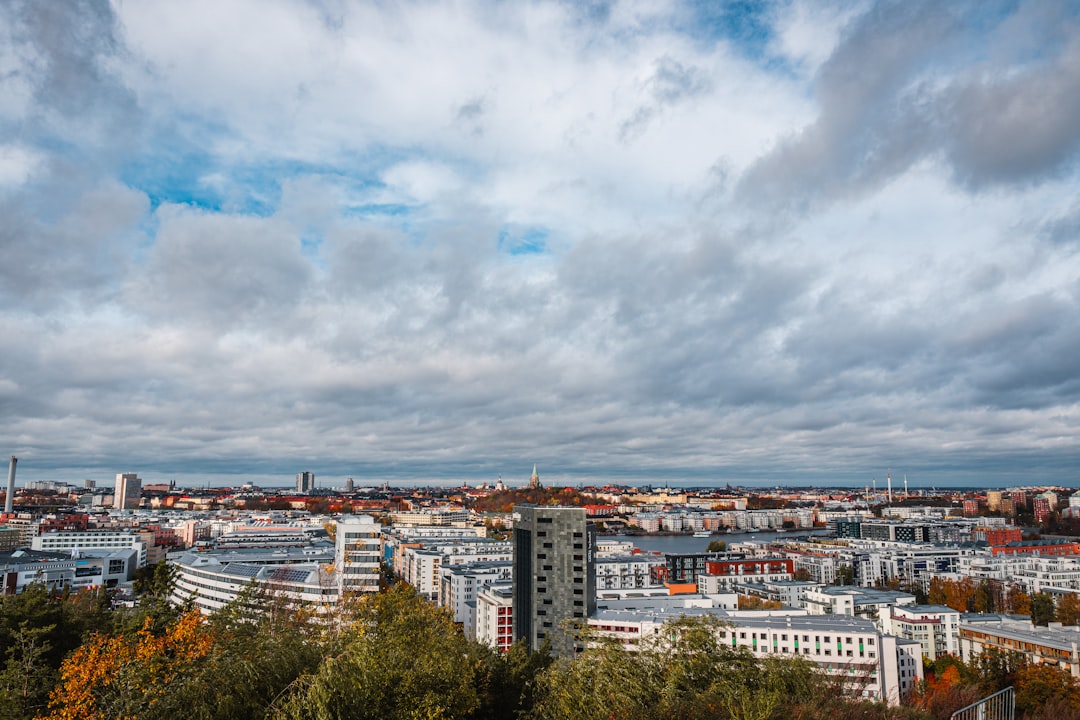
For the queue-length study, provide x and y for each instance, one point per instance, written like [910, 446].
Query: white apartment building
[495, 616]
[853, 601]
[75, 540]
[934, 627]
[871, 665]
[212, 580]
[358, 554]
[628, 571]
[459, 585]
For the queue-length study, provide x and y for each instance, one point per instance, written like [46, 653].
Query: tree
[1017, 601]
[716, 546]
[26, 676]
[1067, 611]
[129, 675]
[401, 658]
[1042, 609]
[845, 575]
[1038, 683]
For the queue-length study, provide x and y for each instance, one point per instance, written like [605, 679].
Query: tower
[554, 575]
[534, 480]
[128, 491]
[9, 499]
[305, 482]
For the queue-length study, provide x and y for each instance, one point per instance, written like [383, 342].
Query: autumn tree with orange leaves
[126, 676]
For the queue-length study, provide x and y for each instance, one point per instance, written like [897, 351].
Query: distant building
[305, 482]
[128, 491]
[534, 480]
[554, 575]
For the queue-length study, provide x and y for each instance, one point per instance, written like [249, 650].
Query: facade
[128, 491]
[852, 650]
[853, 601]
[554, 575]
[934, 627]
[75, 541]
[212, 580]
[305, 482]
[460, 584]
[723, 575]
[358, 554]
[495, 616]
[1054, 645]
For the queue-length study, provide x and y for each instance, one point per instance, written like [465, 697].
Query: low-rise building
[1054, 645]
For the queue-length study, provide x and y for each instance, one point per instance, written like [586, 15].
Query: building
[554, 575]
[934, 627]
[852, 650]
[75, 541]
[211, 580]
[1054, 645]
[854, 601]
[723, 575]
[495, 616]
[305, 482]
[1042, 508]
[358, 554]
[128, 491]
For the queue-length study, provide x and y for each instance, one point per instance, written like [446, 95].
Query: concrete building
[128, 491]
[75, 541]
[1054, 645]
[868, 664]
[495, 616]
[358, 554]
[211, 580]
[460, 584]
[305, 482]
[554, 575]
[934, 627]
[853, 601]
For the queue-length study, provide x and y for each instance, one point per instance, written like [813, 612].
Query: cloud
[625, 240]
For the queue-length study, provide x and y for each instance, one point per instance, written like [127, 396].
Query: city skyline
[759, 243]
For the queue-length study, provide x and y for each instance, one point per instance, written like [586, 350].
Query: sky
[689, 242]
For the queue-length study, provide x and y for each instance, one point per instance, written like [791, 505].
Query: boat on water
[702, 533]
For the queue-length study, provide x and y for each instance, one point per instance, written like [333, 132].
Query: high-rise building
[305, 482]
[358, 554]
[128, 491]
[993, 500]
[554, 575]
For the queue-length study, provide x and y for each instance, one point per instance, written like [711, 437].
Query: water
[685, 544]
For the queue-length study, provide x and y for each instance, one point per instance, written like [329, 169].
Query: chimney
[9, 502]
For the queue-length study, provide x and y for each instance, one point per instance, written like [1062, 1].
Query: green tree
[26, 677]
[1042, 609]
[401, 659]
[845, 575]
[716, 546]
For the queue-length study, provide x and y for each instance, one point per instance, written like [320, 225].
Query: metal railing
[999, 706]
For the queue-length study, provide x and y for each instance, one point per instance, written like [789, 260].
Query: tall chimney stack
[9, 501]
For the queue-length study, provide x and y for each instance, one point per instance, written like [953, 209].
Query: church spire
[534, 481]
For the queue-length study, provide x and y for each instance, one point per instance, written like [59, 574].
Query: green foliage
[402, 659]
[716, 546]
[1042, 609]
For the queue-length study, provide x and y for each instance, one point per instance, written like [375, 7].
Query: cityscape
[540, 360]
[879, 590]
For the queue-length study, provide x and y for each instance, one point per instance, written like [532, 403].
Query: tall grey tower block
[554, 575]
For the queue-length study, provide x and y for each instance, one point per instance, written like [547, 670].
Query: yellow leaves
[126, 671]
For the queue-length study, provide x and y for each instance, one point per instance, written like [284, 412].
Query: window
[541, 533]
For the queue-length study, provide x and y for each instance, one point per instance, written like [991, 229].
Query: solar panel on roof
[241, 570]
